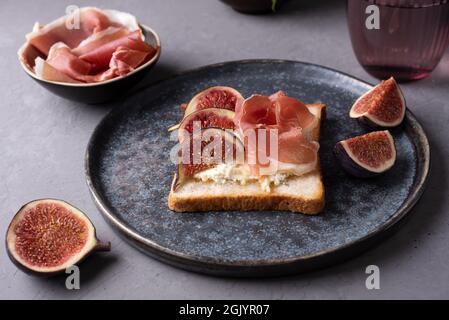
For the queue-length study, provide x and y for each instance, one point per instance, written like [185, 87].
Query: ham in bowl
[95, 48]
[103, 45]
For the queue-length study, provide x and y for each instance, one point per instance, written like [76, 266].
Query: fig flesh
[47, 236]
[218, 97]
[215, 97]
[211, 140]
[367, 155]
[381, 107]
[206, 118]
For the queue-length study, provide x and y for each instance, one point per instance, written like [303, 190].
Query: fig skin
[100, 247]
[370, 125]
[96, 245]
[367, 124]
[349, 165]
[355, 169]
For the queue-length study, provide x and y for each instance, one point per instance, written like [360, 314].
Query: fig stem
[103, 246]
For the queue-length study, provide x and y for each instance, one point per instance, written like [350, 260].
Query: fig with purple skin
[381, 107]
[47, 236]
[367, 155]
[206, 118]
[212, 139]
[218, 97]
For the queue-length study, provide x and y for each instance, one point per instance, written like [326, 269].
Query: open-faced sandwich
[255, 154]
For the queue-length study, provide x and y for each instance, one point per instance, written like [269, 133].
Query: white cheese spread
[240, 173]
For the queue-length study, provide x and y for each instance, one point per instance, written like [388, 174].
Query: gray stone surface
[43, 140]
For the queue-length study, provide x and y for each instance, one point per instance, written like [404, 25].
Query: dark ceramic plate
[129, 174]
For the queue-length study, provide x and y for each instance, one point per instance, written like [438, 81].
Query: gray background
[43, 140]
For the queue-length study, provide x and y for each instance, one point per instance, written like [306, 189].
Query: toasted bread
[304, 194]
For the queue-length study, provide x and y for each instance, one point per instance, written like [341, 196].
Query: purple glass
[406, 41]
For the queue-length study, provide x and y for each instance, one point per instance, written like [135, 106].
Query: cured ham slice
[125, 60]
[290, 112]
[99, 39]
[290, 123]
[101, 56]
[61, 58]
[91, 20]
[104, 45]
[63, 65]
[47, 72]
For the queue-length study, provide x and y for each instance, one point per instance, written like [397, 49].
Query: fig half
[367, 155]
[218, 97]
[381, 107]
[232, 150]
[215, 97]
[47, 236]
[207, 118]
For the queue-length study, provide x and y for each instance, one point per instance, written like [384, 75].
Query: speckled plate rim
[267, 267]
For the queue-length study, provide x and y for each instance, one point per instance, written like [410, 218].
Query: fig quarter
[367, 155]
[381, 107]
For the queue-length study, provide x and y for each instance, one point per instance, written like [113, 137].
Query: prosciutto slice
[91, 21]
[99, 39]
[106, 44]
[63, 65]
[61, 58]
[48, 72]
[101, 56]
[290, 123]
[125, 60]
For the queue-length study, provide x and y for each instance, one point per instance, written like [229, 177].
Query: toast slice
[304, 194]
